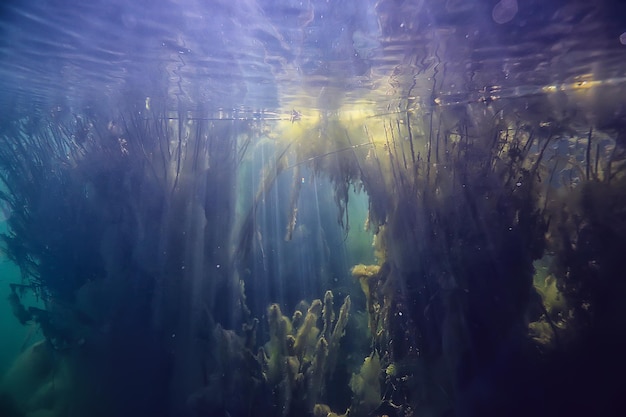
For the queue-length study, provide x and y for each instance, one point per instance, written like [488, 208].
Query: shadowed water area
[312, 208]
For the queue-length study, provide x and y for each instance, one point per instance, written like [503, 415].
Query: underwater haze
[324, 208]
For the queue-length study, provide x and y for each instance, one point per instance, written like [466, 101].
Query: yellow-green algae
[299, 359]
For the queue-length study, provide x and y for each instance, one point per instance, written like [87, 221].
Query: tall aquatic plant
[121, 224]
[456, 207]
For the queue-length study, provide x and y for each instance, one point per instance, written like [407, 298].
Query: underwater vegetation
[107, 211]
[497, 286]
[464, 203]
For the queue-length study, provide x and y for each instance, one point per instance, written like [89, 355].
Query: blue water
[184, 180]
[266, 55]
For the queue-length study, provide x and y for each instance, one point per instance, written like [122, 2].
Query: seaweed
[299, 360]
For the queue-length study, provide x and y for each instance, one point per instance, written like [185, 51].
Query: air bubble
[504, 11]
